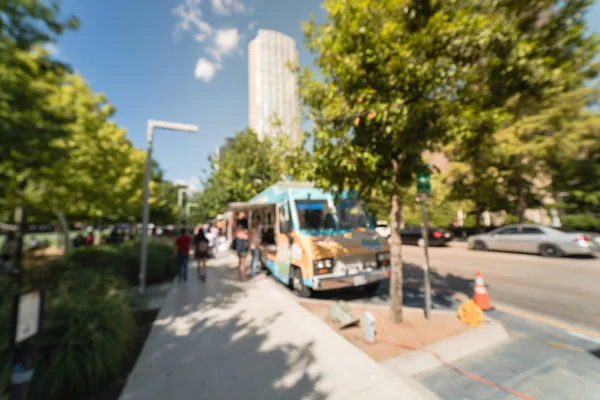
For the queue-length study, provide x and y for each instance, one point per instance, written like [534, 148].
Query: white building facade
[273, 87]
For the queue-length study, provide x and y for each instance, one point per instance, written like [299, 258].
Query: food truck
[310, 241]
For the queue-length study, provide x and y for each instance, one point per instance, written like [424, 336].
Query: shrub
[583, 222]
[160, 266]
[124, 261]
[88, 324]
[100, 258]
[88, 335]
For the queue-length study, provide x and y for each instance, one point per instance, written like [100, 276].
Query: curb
[452, 349]
[485, 337]
[416, 387]
[376, 305]
[490, 335]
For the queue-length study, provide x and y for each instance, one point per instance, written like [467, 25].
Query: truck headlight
[323, 266]
[383, 259]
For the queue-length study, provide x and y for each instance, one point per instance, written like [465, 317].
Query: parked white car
[383, 229]
[534, 239]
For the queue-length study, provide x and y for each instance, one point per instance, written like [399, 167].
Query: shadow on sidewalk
[207, 343]
[443, 288]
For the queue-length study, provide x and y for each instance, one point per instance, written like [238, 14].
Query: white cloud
[228, 7]
[192, 183]
[189, 17]
[205, 70]
[227, 40]
[218, 42]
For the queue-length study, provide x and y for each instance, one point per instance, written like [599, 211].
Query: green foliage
[442, 208]
[29, 83]
[56, 132]
[391, 73]
[501, 155]
[567, 136]
[583, 222]
[511, 219]
[163, 203]
[124, 261]
[88, 325]
[99, 160]
[378, 104]
[161, 267]
[247, 167]
[87, 336]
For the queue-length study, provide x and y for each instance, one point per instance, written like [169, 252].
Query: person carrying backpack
[201, 247]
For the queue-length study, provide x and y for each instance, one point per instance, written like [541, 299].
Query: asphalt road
[564, 288]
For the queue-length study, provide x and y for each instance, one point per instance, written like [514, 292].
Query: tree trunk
[64, 227]
[521, 201]
[396, 250]
[477, 218]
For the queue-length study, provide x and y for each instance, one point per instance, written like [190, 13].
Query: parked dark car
[437, 236]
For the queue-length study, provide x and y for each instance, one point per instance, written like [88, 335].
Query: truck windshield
[317, 215]
[351, 214]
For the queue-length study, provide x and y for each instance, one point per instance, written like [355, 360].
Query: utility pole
[180, 198]
[425, 236]
[423, 193]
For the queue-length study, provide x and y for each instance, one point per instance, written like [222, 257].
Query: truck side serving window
[284, 219]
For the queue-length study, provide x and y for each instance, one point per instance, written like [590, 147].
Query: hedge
[89, 327]
[87, 337]
[582, 222]
[124, 261]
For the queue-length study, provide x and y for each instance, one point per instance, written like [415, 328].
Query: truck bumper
[340, 282]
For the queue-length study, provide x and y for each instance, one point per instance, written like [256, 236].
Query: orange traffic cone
[481, 297]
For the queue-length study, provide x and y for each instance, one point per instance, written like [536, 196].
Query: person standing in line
[254, 234]
[214, 232]
[211, 239]
[182, 244]
[201, 247]
[240, 245]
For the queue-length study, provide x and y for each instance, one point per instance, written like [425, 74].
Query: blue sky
[144, 55]
[141, 56]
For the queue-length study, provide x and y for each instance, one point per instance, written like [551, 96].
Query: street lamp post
[151, 125]
[188, 207]
[180, 193]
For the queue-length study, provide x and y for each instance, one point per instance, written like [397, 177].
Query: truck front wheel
[297, 284]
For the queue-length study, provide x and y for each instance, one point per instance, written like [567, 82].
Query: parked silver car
[535, 239]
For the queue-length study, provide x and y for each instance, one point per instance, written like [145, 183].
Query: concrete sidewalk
[225, 340]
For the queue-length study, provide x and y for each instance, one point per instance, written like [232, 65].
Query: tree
[100, 175]
[552, 53]
[561, 146]
[391, 73]
[246, 168]
[29, 78]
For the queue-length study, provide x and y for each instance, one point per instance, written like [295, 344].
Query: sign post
[423, 193]
[26, 323]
